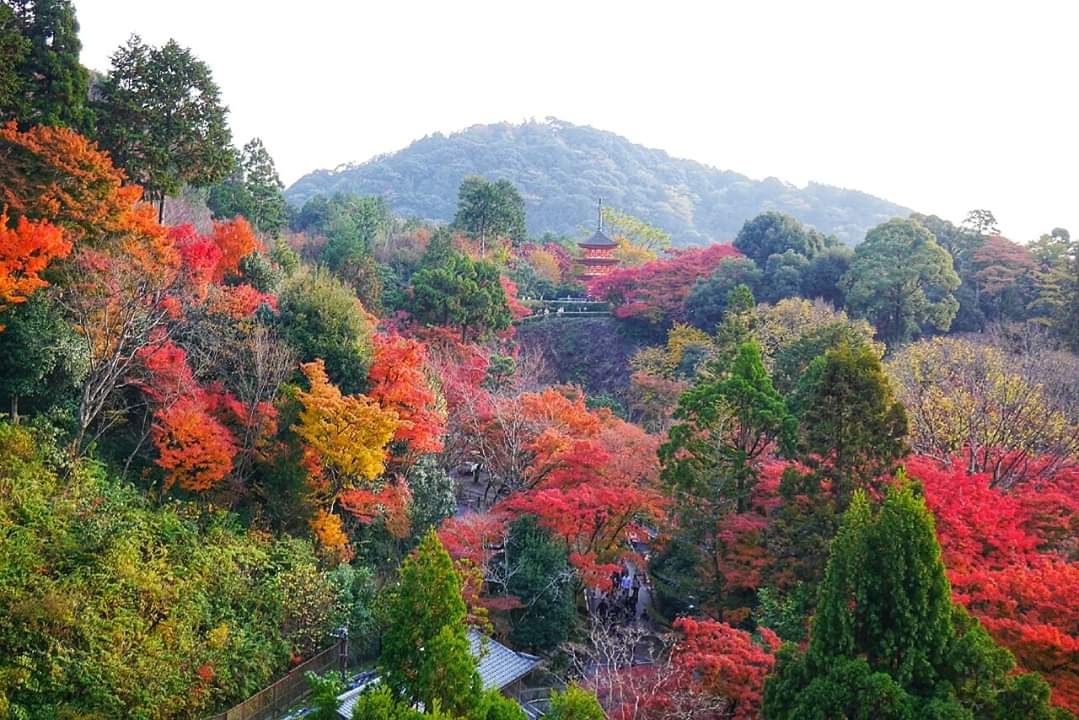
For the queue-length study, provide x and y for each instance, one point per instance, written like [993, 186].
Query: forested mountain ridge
[561, 168]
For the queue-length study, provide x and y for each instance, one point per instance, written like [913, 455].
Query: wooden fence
[289, 690]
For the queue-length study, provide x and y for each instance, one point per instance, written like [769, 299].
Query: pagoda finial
[599, 215]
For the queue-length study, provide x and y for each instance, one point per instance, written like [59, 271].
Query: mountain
[561, 169]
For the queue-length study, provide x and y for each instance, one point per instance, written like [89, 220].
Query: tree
[463, 293]
[57, 175]
[41, 357]
[13, 48]
[725, 426]
[901, 280]
[162, 121]
[821, 278]
[783, 275]
[707, 301]
[490, 209]
[26, 250]
[322, 319]
[349, 432]
[886, 640]
[52, 87]
[541, 580]
[399, 382]
[253, 190]
[850, 419]
[573, 703]
[1003, 273]
[324, 692]
[991, 408]
[638, 236]
[772, 233]
[656, 291]
[425, 652]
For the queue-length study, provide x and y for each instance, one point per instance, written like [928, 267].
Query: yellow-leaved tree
[348, 435]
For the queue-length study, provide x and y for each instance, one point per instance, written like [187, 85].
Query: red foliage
[517, 310]
[199, 256]
[722, 660]
[1009, 556]
[657, 290]
[399, 382]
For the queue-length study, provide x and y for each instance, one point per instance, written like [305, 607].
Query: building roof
[598, 240]
[497, 665]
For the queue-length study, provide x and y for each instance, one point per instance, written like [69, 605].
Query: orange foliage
[327, 529]
[236, 240]
[55, 174]
[193, 447]
[25, 251]
[399, 382]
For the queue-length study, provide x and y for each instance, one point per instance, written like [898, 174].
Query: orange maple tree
[25, 251]
[399, 382]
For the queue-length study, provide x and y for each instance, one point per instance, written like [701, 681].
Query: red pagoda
[597, 253]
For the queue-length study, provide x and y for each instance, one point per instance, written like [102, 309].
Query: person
[627, 584]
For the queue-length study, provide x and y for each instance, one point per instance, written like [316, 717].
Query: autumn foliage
[657, 290]
[25, 251]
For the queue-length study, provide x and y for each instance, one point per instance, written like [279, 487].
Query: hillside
[561, 169]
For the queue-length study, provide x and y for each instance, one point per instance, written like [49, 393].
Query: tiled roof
[598, 239]
[498, 666]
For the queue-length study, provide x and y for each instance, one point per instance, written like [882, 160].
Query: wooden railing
[289, 690]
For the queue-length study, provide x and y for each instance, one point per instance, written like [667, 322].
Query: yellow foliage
[349, 432]
[631, 255]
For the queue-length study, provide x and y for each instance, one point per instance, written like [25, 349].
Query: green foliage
[793, 359]
[461, 293]
[558, 167]
[377, 702]
[43, 360]
[112, 606]
[496, 706]
[252, 190]
[425, 652]
[784, 275]
[434, 495]
[41, 80]
[636, 231]
[851, 421]
[820, 279]
[574, 703]
[161, 119]
[352, 226]
[324, 691]
[13, 49]
[490, 209]
[725, 425]
[901, 280]
[321, 318]
[886, 640]
[774, 233]
[785, 613]
[543, 581]
[706, 304]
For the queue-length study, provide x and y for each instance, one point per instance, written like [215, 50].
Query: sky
[942, 106]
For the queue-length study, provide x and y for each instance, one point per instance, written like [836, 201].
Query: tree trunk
[14, 409]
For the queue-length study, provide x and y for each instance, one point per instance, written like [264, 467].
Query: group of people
[620, 603]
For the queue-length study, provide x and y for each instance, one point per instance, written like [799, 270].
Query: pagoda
[597, 252]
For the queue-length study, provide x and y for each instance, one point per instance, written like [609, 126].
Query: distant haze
[937, 106]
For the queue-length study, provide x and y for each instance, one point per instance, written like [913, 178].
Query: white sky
[942, 106]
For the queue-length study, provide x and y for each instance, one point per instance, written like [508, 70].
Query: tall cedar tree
[887, 642]
[162, 121]
[253, 190]
[543, 582]
[47, 85]
[425, 651]
[724, 426]
[851, 422]
[488, 209]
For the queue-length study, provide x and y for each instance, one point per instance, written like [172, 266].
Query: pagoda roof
[598, 240]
